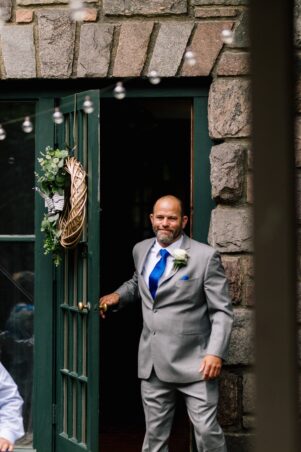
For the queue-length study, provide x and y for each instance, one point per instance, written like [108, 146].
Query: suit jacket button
[155, 310]
[154, 332]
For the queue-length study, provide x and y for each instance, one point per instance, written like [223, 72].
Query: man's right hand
[106, 301]
[6, 445]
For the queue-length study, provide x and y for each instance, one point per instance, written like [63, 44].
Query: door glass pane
[17, 169]
[16, 322]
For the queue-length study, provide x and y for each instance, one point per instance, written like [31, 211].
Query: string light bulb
[2, 133]
[77, 10]
[227, 36]
[27, 126]
[57, 116]
[119, 91]
[190, 57]
[88, 105]
[154, 77]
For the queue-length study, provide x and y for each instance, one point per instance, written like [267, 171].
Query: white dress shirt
[154, 256]
[11, 421]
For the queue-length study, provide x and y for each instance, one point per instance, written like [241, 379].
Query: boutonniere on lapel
[180, 258]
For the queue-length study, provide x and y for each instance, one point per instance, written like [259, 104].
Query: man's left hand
[211, 367]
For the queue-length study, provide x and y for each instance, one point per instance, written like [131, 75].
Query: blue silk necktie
[157, 272]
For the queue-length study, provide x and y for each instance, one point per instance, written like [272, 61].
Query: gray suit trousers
[159, 400]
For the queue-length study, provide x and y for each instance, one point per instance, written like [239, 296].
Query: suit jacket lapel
[143, 255]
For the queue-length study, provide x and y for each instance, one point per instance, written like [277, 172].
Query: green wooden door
[77, 282]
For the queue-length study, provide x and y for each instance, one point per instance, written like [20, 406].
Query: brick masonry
[128, 39]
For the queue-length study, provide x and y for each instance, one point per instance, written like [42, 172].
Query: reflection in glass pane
[17, 169]
[16, 322]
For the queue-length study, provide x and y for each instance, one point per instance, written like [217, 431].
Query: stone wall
[129, 38]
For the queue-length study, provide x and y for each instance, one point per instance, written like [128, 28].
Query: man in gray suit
[187, 322]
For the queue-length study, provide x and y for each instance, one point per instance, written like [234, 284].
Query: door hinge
[53, 414]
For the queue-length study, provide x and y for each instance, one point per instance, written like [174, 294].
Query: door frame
[201, 204]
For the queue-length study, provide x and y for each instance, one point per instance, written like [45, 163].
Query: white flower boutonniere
[180, 258]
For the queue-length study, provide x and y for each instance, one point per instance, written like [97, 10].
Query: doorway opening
[145, 153]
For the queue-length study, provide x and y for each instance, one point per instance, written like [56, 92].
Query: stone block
[234, 274]
[94, 50]
[6, 9]
[297, 23]
[229, 107]
[234, 63]
[250, 197]
[298, 141]
[169, 47]
[24, 15]
[206, 45]
[250, 159]
[205, 12]
[46, 2]
[249, 393]
[229, 405]
[146, 8]
[56, 39]
[241, 37]
[231, 229]
[132, 48]
[90, 15]
[242, 338]
[18, 51]
[298, 95]
[227, 171]
[249, 284]
[42, 2]
[249, 422]
[240, 442]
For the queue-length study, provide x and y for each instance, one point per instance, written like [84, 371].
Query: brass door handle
[103, 307]
[83, 307]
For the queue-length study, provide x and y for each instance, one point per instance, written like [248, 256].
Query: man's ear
[184, 221]
[151, 217]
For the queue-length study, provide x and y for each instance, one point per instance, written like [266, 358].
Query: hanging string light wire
[118, 90]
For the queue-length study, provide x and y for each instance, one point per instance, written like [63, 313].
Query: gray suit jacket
[190, 317]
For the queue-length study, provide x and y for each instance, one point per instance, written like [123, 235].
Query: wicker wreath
[72, 221]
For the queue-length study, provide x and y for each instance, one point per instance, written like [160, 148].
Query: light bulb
[154, 77]
[119, 91]
[2, 133]
[77, 10]
[57, 116]
[190, 57]
[27, 126]
[88, 105]
[227, 36]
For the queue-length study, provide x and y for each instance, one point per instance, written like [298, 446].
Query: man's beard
[169, 238]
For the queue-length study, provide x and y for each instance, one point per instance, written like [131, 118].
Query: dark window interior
[17, 152]
[17, 170]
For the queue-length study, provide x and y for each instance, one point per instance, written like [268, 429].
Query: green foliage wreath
[52, 184]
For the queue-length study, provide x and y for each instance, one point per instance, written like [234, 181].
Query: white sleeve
[11, 420]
